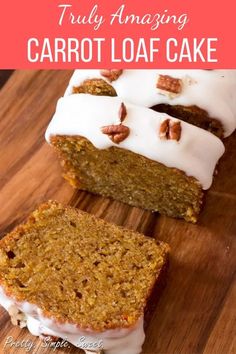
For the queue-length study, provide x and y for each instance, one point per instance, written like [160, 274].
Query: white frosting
[211, 90]
[114, 341]
[196, 153]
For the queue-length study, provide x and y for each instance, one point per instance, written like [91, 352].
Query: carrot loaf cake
[205, 98]
[67, 274]
[134, 154]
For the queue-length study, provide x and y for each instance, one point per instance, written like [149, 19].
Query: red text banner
[132, 34]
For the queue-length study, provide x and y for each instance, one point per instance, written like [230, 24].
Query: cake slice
[66, 274]
[132, 154]
[205, 98]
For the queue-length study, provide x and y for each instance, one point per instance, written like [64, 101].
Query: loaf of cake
[133, 154]
[205, 98]
[66, 274]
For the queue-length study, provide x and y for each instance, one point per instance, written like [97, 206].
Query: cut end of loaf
[79, 269]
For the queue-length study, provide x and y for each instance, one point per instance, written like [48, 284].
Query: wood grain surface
[196, 311]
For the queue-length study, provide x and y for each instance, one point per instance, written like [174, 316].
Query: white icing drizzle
[114, 341]
[196, 153]
[212, 90]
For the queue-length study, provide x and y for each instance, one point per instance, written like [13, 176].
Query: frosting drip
[115, 341]
[212, 90]
[196, 153]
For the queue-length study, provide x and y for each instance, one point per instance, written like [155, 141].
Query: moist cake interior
[79, 269]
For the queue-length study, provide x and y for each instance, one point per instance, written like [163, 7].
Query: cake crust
[192, 115]
[98, 87]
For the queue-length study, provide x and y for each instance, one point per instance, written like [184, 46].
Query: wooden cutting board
[196, 312]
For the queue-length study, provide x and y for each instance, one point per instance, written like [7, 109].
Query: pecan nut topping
[111, 74]
[122, 112]
[116, 133]
[169, 84]
[170, 130]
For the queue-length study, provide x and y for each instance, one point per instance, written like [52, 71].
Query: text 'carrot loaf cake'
[205, 98]
[66, 274]
[134, 154]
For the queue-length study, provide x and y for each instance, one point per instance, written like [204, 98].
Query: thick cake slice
[67, 274]
[205, 98]
[133, 154]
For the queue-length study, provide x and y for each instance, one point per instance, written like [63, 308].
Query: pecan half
[111, 74]
[116, 133]
[170, 130]
[169, 84]
[122, 112]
